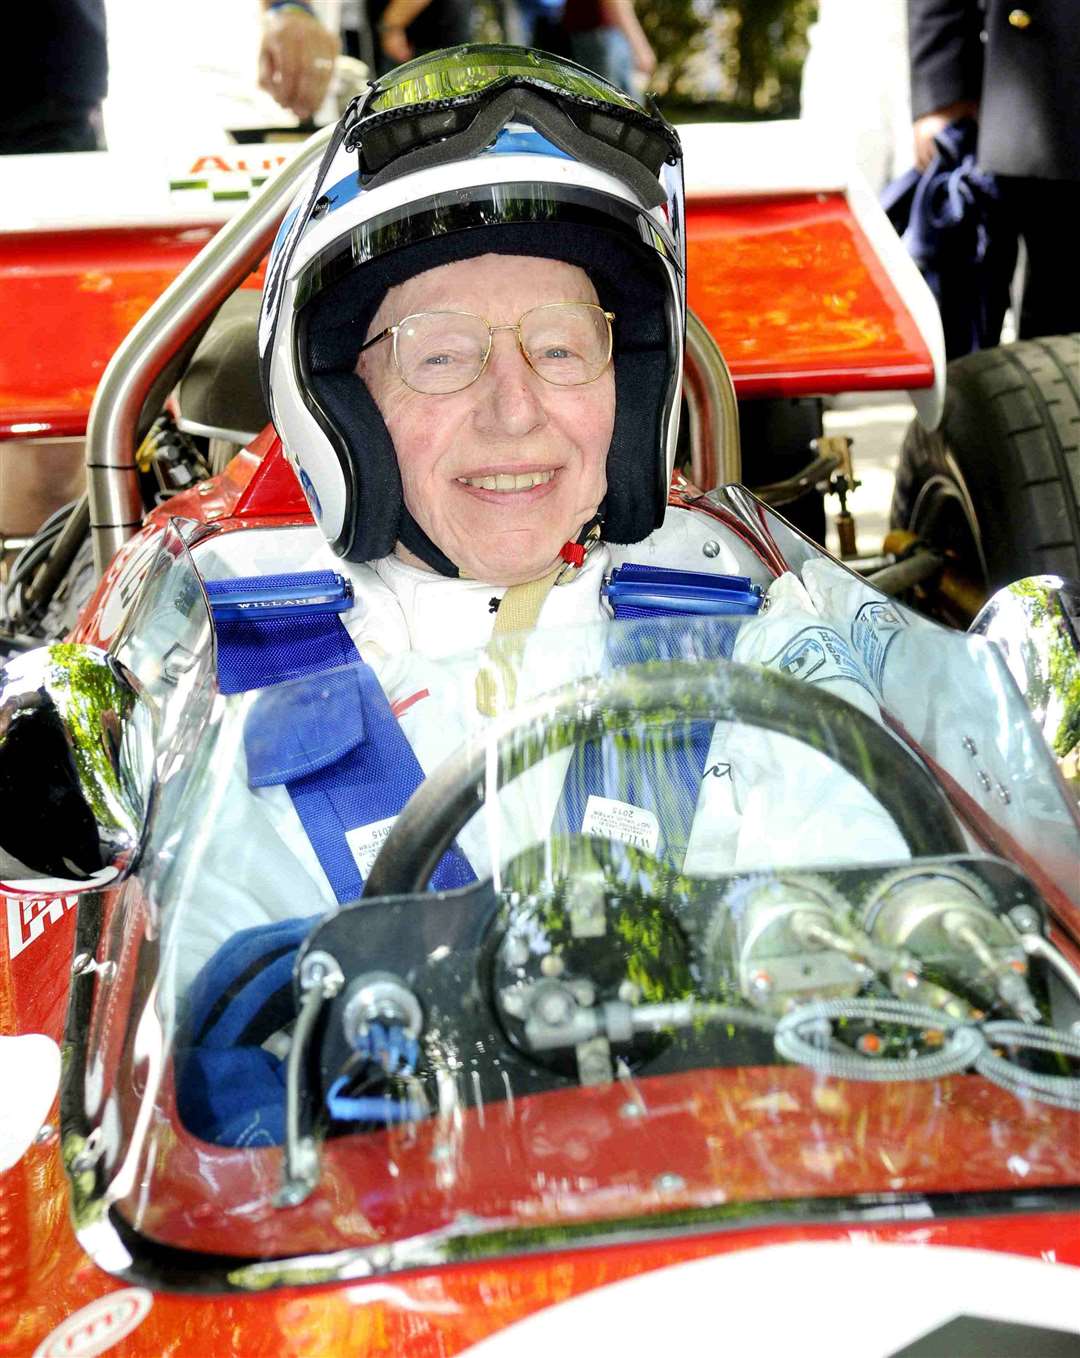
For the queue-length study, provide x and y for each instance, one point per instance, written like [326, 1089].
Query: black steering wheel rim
[656, 693]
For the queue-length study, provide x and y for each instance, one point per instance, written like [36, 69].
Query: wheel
[997, 485]
[654, 694]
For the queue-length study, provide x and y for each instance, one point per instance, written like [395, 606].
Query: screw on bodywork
[1004, 794]
[970, 746]
[669, 1183]
[711, 548]
[985, 781]
[90, 1153]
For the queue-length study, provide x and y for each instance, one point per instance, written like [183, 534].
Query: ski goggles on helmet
[450, 105]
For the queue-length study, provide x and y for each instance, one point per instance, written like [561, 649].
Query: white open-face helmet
[471, 151]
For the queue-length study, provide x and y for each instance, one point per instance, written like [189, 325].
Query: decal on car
[99, 1326]
[835, 1304]
[28, 916]
[29, 1077]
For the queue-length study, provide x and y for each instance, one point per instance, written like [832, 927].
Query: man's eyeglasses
[437, 352]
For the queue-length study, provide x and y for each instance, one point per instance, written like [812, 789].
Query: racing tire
[997, 485]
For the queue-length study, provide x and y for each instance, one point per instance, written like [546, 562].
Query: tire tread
[1012, 428]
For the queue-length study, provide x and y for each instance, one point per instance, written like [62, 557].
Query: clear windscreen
[697, 914]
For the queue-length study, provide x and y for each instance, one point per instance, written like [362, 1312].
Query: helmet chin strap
[411, 535]
[518, 613]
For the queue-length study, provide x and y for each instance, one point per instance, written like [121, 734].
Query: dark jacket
[952, 225]
[54, 50]
[1026, 79]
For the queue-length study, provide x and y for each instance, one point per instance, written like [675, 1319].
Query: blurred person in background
[606, 36]
[299, 43]
[1017, 71]
[404, 29]
[54, 77]
[296, 56]
[535, 23]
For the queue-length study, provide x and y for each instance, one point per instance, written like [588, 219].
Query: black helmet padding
[629, 281]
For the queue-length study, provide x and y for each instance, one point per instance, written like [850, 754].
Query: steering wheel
[655, 694]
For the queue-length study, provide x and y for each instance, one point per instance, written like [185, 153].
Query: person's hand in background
[929, 125]
[394, 41]
[396, 18]
[296, 58]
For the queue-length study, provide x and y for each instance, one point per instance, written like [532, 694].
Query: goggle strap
[524, 105]
[278, 269]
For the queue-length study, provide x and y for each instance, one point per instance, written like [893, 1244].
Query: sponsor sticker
[99, 1326]
[818, 655]
[27, 918]
[609, 819]
[951, 1302]
[873, 631]
[29, 1077]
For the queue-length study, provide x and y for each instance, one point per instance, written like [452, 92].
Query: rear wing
[793, 267]
[798, 274]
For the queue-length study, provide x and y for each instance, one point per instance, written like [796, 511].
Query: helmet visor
[478, 208]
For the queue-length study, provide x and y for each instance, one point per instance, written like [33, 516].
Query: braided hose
[967, 1046]
[961, 1048]
[1062, 1091]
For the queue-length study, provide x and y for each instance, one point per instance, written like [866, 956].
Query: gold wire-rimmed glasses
[438, 352]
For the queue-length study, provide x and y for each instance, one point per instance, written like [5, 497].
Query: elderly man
[472, 344]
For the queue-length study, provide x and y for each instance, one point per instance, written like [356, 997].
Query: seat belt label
[610, 819]
[365, 842]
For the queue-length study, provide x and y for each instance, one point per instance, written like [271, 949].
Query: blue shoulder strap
[664, 777]
[333, 743]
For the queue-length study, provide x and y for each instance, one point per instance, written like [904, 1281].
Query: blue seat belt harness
[637, 591]
[664, 778]
[333, 743]
[336, 747]
[340, 753]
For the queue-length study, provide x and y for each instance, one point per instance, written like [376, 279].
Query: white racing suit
[764, 800]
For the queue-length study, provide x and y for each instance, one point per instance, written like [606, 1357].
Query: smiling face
[501, 474]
